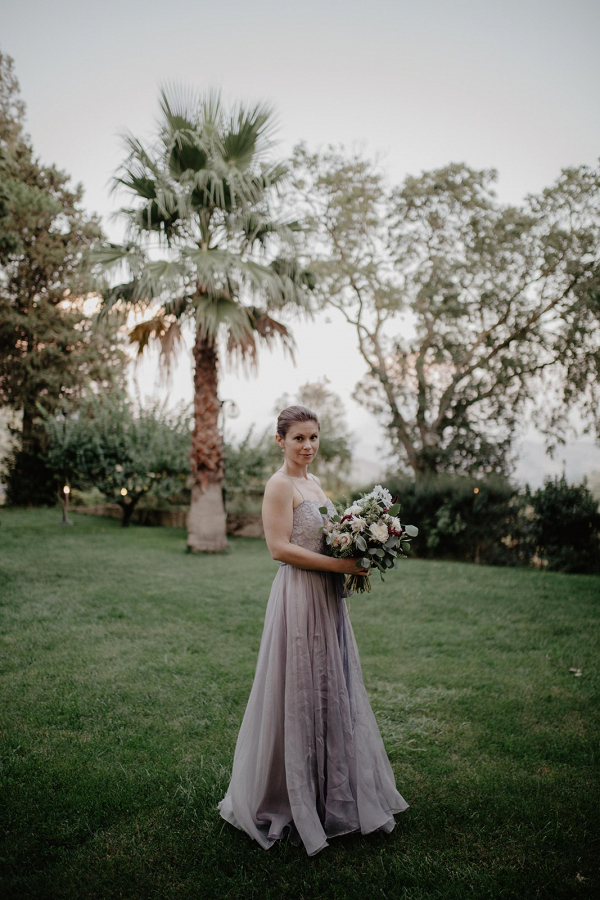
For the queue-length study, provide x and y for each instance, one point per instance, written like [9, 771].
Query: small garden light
[65, 504]
[123, 492]
[475, 490]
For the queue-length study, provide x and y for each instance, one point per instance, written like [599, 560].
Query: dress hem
[289, 828]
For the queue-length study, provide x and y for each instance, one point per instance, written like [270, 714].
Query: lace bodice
[307, 521]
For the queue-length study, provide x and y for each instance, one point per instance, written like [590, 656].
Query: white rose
[357, 524]
[344, 540]
[353, 510]
[379, 531]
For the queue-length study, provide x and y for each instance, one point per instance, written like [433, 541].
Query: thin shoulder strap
[292, 480]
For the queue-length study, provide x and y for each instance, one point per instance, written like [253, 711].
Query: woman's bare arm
[277, 514]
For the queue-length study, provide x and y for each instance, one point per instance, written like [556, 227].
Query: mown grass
[125, 668]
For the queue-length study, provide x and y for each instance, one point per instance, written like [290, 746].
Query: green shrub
[461, 517]
[491, 521]
[564, 531]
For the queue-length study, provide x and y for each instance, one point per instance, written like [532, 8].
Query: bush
[564, 531]
[491, 521]
[460, 517]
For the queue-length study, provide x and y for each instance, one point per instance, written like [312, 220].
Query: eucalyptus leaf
[394, 510]
[372, 550]
[411, 530]
[365, 563]
[323, 510]
[336, 519]
[361, 543]
[378, 552]
[405, 546]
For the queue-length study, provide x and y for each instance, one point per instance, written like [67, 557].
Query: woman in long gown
[309, 759]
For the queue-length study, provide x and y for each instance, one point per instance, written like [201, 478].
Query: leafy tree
[51, 350]
[466, 311]
[106, 445]
[205, 247]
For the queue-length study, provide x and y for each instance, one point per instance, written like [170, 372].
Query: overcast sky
[494, 83]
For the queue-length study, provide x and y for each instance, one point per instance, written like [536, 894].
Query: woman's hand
[350, 566]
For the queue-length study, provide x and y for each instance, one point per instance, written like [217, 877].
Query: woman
[309, 758]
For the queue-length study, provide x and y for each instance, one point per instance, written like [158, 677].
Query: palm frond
[217, 311]
[139, 184]
[160, 328]
[254, 227]
[180, 108]
[149, 280]
[218, 269]
[159, 277]
[242, 349]
[247, 135]
[138, 155]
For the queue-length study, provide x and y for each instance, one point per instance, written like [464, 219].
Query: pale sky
[494, 83]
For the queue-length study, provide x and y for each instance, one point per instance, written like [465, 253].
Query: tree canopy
[124, 453]
[52, 350]
[468, 312]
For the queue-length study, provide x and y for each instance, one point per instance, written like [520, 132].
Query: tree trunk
[206, 518]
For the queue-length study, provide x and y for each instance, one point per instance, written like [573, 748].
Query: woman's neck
[295, 470]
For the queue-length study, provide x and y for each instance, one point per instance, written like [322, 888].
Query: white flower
[380, 493]
[357, 524]
[353, 510]
[379, 531]
[394, 523]
[344, 540]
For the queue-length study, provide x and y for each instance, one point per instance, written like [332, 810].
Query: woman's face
[301, 442]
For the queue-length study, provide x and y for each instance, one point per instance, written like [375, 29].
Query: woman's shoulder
[279, 484]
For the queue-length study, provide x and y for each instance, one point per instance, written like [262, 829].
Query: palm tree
[204, 245]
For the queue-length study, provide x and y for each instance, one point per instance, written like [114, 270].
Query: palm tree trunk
[206, 519]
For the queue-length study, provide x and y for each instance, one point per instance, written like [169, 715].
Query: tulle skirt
[309, 760]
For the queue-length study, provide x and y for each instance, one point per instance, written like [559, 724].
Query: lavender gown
[309, 759]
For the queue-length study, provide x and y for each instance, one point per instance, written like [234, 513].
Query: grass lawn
[125, 666]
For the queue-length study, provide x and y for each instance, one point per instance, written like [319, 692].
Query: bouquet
[370, 526]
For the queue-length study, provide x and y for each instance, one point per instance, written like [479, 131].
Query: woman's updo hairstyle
[287, 417]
